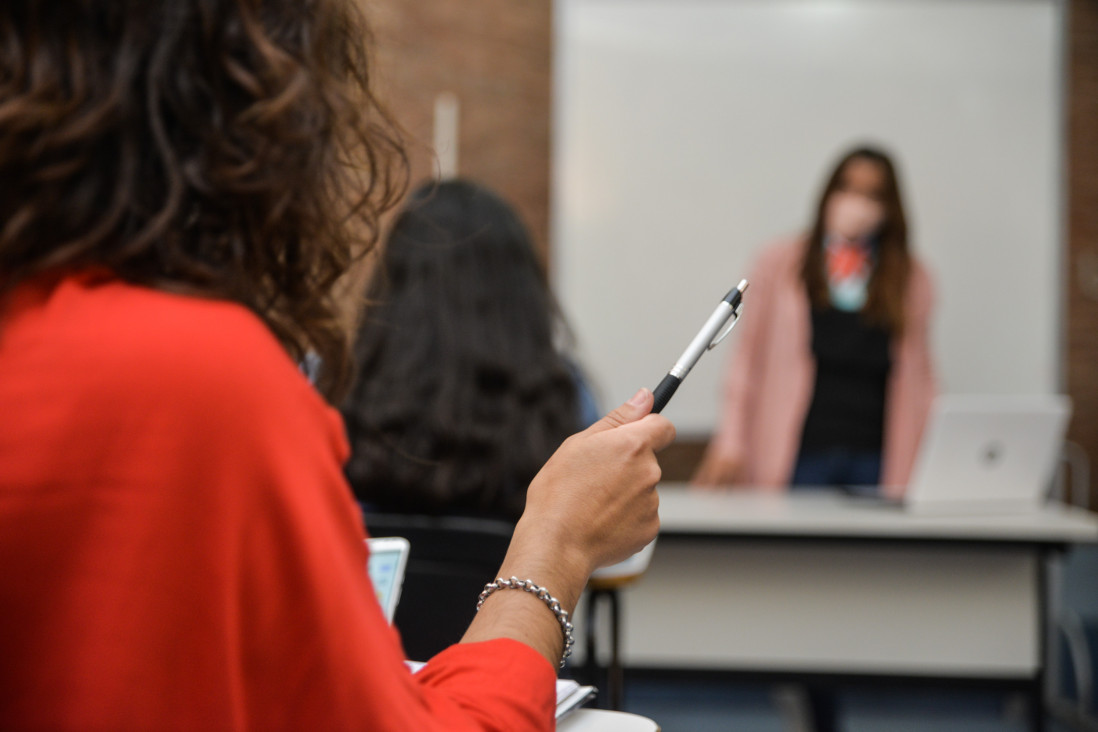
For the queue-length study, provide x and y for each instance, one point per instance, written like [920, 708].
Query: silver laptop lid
[988, 453]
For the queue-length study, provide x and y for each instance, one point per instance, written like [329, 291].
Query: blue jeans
[837, 467]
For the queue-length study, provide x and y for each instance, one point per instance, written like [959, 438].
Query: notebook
[388, 560]
[571, 695]
[988, 453]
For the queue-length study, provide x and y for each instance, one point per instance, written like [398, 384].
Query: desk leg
[591, 663]
[1044, 642]
[1035, 705]
[612, 678]
[616, 680]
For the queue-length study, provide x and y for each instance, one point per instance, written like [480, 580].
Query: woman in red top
[185, 181]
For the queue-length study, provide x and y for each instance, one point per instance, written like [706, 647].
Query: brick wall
[1082, 255]
[495, 56]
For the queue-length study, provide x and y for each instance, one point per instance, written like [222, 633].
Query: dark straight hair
[887, 287]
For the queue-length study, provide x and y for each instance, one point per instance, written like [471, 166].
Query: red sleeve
[179, 545]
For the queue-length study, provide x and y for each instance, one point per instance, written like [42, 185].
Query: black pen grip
[664, 392]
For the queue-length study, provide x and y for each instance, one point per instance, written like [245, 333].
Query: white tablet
[388, 559]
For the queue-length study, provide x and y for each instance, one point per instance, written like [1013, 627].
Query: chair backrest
[451, 559]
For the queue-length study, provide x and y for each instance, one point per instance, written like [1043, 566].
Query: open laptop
[982, 454]
[386, 565]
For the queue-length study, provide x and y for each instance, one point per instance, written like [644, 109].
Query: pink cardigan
[772, 373]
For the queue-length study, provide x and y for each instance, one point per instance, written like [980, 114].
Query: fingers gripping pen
[720, 323]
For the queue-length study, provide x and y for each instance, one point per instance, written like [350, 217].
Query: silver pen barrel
[701, 341]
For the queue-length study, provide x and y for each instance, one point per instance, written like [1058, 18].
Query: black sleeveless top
[852, 366]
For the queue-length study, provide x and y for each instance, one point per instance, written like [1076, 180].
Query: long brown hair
[885, 298]
[225, 148]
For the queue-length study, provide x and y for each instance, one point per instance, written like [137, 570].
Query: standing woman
[832, 381]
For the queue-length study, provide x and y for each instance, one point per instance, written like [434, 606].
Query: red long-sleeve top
[178, 547]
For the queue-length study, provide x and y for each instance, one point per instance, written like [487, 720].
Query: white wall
[688, 133]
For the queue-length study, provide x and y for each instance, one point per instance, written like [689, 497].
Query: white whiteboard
[689, 133]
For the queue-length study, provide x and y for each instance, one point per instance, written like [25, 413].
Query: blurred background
[654, 146]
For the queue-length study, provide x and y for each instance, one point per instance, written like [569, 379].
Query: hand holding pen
[720, 323]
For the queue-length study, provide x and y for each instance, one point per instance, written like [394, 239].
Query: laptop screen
[388, 559]
[982, 452]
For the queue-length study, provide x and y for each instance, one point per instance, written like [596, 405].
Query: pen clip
[727, 329]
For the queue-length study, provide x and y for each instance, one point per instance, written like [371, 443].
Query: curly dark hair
[224, 148]
[463, 393]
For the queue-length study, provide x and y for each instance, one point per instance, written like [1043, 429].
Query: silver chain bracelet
[542, 594]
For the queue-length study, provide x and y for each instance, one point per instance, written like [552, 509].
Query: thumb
[639, 405]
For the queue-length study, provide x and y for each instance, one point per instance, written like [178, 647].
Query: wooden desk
[809, 584]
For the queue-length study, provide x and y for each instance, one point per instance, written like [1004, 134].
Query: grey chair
[1076, 621]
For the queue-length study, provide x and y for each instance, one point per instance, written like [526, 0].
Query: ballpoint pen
[712, 333]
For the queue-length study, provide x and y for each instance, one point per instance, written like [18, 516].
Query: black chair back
[451, 559]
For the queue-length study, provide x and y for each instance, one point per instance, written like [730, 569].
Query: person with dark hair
[184, 183]
[832, 379]
[463, 393]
